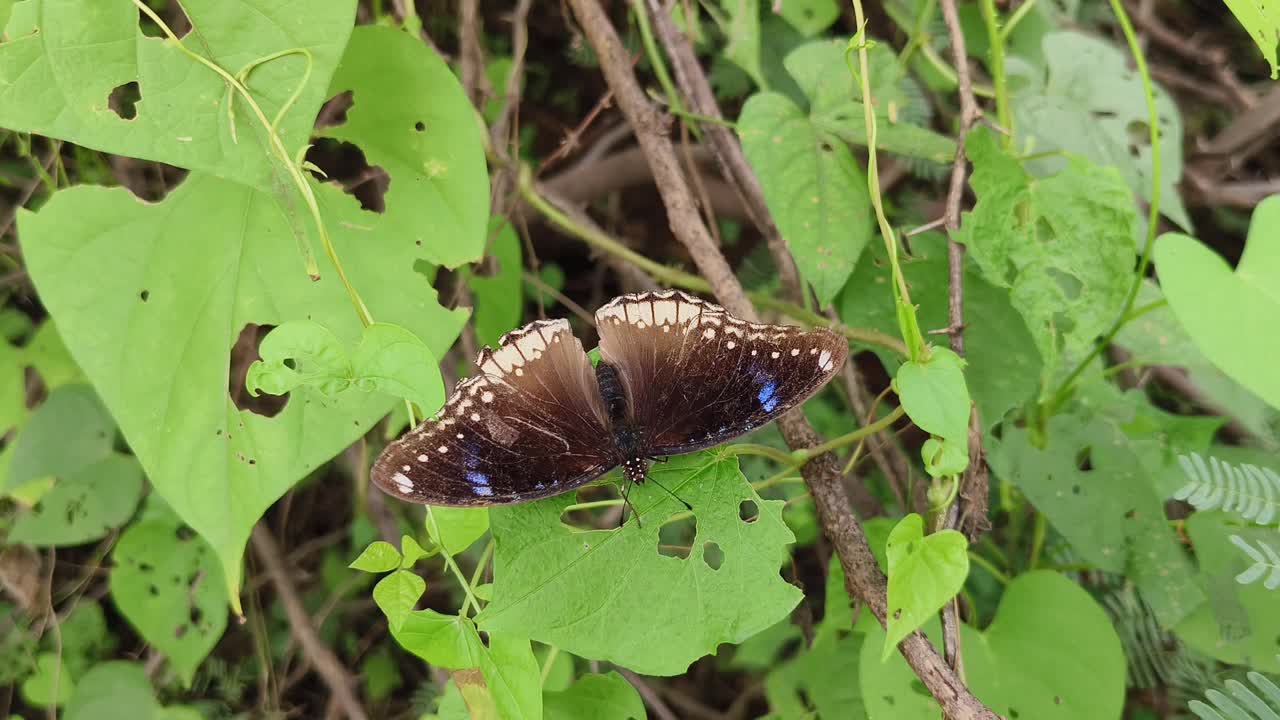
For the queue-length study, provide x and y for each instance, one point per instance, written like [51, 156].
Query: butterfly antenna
[626, 503]
[686, 505]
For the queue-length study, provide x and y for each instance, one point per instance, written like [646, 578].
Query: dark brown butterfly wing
[532, 425]
[696, 376]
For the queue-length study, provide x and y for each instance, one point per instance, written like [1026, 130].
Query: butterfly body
[676, 374]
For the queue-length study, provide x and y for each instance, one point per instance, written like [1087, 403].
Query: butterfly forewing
[532, 425]
[696, 376]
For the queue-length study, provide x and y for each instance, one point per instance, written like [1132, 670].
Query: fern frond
[1266, 561]
[1248, 491]
[1243, 703]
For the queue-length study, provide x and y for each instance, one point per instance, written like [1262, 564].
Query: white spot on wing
[403, 482]
[487, 397]
[422, 458]
[443, 448]
[708, 333]
[775, 354]
[824, 361]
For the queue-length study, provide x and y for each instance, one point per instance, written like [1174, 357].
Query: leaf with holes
[1091, 483]
[84, 71]
[1002, 365]
[562, 586]
[389, 359]
[84, 505]
[934, 394]
[68, 432]
[168, 585]
[412, 119]
[1063, 245]
[605, 695]
[1014, 666]
[924, 573]
[1092, 105]
[454, 529]
[1239, 625]
[217, 465]
[1230, 315]
[396, 594]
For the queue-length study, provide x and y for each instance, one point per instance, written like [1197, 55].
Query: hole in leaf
[334, 110]
[243, 353]
[179, 631]
[1139, 133]
[675, 538]
[603, 509]
[172, 15]
[748, 511]
[1102, 114]
[196, 615]
[144, 295]
[1013, 714]
[124, 100]
[1057, 699]
[184, 533]
[1084, 459]
[345, 164]
[153, 590]
[1075, 489]
[712, 555]
[291, 363]
[484, 637]
[419, 126]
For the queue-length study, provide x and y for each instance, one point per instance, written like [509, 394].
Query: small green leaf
[380, 675]
[394, 361]
[742, 30]
[379, 557]
[454, 529]
[84, 505]
[447, 641]
[411, 550]
[85, 637]
[50, 684]
[936, 399]
[396, 594]
[120, 690]
[924, 573]
[606, 695]
[1230, 315]
[1074, 671]
[68, 432]
[168, 584]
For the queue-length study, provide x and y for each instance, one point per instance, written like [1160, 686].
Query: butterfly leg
[626, 503]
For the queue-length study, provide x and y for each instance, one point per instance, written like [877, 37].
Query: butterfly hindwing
[696, 376]
[532, 425]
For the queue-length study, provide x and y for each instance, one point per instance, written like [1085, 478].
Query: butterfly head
[635, 469]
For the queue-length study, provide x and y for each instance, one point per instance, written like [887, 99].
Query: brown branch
[975, 480]
[822, 474]
[326, 664]
[652, 699]
[726, 149]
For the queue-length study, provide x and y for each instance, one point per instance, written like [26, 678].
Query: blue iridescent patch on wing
[479, 481]
[767, 397]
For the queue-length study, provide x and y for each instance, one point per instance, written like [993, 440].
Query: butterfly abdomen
[612, 392]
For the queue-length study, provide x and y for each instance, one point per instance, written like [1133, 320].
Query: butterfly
[676, 374]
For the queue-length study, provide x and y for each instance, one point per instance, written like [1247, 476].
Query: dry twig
[326, 664]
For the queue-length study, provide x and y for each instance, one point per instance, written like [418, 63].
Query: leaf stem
[781, 456]
[851, 437]
[990, 567]
[995, 55]
[679, 278]
[908, 325]
[658, 64]
[453, 566]
[1153, 216]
